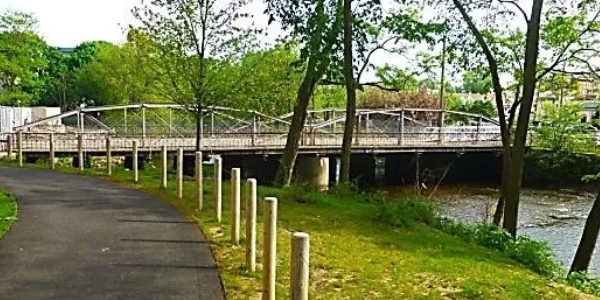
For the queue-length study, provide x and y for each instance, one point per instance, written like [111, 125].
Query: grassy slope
[8, 211]
[354, 257]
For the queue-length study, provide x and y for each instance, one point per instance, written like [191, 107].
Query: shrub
[585, 283]
[406, 213]
[535, 255]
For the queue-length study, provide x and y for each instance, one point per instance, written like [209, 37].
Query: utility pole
[443, 75]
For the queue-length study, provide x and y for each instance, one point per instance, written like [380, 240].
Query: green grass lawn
[8, 211]
[353, 256]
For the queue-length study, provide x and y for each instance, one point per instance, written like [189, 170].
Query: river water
[557, 217]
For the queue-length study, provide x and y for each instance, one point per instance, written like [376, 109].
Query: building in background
[11, 117]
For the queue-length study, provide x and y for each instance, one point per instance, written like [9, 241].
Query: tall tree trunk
[285, 170]
[499, 213]
[198, 129]
[581, 262]
[517, 159]
[350, 95]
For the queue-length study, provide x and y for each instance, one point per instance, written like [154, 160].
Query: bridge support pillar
[313, 170]
[362, 169]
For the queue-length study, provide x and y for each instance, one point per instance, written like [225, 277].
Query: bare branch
[517, 6]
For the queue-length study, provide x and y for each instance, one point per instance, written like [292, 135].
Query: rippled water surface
[557, 217]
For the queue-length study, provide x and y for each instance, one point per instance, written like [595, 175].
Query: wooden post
[20, 148]
[165, 164]
[218, 165]
[180, 173]
[51, 149]
[477, 138]
[441, 125]
[401, 137]
[235, 206]
[269, 249]
[199, 179]
[9, 150]
[299, 266]
[136, 173]
[80, 150]
[251, 224]
[108, 156]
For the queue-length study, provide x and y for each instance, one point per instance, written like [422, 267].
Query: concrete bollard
[299, 266]
[235, 206]
[108, 156]
[180, 173]
[51, 149]
[80, 150]
[20, 148]
[217, 194]
[199, 179]
[269, 249]
[136, 171]
[251, 224]
[165, 164]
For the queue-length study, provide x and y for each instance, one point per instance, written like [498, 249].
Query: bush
[585, 283]
[535, 255]
[406, 213]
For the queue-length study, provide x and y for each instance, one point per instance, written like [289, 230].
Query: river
[557, 217]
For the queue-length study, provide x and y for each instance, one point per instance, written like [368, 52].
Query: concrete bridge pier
[314, 170]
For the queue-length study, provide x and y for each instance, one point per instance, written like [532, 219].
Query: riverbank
[8, 211]
[353, 254]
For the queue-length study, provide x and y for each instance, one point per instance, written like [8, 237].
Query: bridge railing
[96, 142]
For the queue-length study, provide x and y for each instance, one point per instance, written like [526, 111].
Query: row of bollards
[299, 267]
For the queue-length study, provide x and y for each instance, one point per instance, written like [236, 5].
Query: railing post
[269, 248]
[20, 148]
[9, 150]
[108, 156]
[164, 167]
[235, 206]
[357, 129]
[80, 151]
[251, 224]
[218, 170]
[254, 130]
[299, 266]
[199, 181]
[51, 150]
[401, 136]
[180, 173]
[441, 127]
[136, 174]
[143, 124]
[478, 129]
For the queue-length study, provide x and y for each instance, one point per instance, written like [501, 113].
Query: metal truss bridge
[247, 131]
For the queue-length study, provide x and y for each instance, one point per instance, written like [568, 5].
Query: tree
[317, 26]
[478, 107]
[589, 238]
[21, 59]
[477, 82]
[193, 41]
[564, 42]
[399, 79]
[561, 129]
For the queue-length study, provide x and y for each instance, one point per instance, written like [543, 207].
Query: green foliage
[561, 129]
[477, 81]
[405, 213]
[478, 107]
[585, 282]
[398, 79]
[535, 255]
[546, 168]
[8, 211]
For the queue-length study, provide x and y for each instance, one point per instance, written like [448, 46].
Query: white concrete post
[108, 156]
[80, 150]
[199, 179]
[235, 206]
[51, 149]
[20, 148]
[180, 173]
[136, 173]
[299, 266]
[164, 167]
[217, 187]
[251, 224]
[269, 249]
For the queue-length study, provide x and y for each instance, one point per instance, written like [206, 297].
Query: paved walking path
[84, 238]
